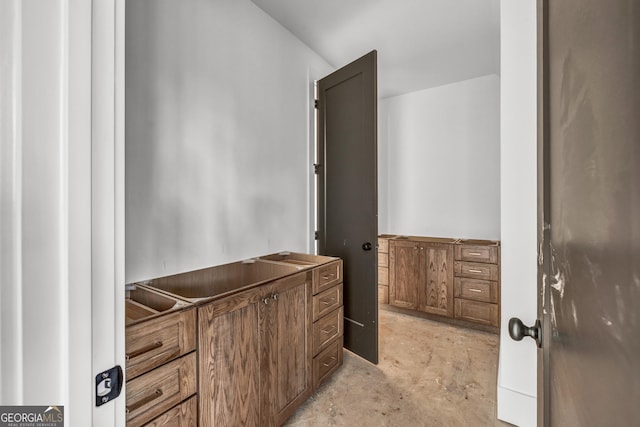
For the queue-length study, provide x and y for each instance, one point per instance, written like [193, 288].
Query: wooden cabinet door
[229, 360]
[287, 353]
[436, 283]
[404, 273]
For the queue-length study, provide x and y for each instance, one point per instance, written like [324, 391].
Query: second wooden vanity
[269, 332]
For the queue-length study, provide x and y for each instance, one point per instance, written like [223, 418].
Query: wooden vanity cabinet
[421, 276]
[255, 354]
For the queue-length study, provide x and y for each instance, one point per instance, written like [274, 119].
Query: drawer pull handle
[327, 364]
[143, 350]
[471, 270]
[329, 330]
[328, 301]
[475, 290]
[148, 399]
[475, 253]
[329, 276]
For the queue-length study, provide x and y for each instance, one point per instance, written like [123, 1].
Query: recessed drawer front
[325, 363]
[326, 329]
[154, 392]
[383, 276]
[478, 312]
[477, 253]
[475, 289]
[383, 260]
[183, 415]
[383, 294]
[383, 245]
[327, 301]
[158, 341]
[326, 276]
[475, 270]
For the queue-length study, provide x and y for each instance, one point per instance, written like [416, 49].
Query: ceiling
[420, 43]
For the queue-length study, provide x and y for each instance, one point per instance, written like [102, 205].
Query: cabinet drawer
[154, 392]
[477, 253]
[475, 289]
[383, 294]
[383, 276]
[383, 260]
[326, 276]
[325, 363]
[475, 270]
[158, 341]
[327, 301]
[326, 329]
[183, 415]
[478, 312]
[383, 245]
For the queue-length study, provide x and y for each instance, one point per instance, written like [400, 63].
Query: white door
[61, 217]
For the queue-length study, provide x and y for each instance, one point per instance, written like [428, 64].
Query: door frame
[107, 199]
[544, 211]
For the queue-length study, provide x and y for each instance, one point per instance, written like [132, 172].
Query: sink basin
[142, 303]
[219, 280]
[293, 258]
[427, 239]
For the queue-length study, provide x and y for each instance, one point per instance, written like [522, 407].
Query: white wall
[218, 156]
[517, 369]
[439, 161]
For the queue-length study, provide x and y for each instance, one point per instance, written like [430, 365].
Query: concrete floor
[430, 374]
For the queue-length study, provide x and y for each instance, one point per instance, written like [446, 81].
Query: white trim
[516, 408]
[11, 328]
[119, 200]
[63, 206]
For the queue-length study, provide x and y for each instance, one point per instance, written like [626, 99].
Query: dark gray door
[590, 199]
[348, 193]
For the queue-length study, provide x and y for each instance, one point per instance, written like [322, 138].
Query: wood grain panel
[476, 270]
[229, 352]
[383, 276]
[287, 354]
[327, 362]
[327, 329]
[404, 274]
[159, 340]
[327, 301]
[153, 393]
[436, 296]
[183, 415]
[294, 375]
[327, 276]
[476, 289]
[479, 312]
[383, 259]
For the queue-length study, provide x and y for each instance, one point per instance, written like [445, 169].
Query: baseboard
[516, 408]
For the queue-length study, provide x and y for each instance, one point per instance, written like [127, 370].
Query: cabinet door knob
[275, 297]
[265, 300]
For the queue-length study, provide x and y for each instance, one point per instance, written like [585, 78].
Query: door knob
[517, 330]
[367, 246]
